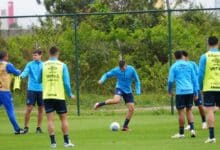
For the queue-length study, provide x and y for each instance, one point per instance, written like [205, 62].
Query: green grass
[151, 129]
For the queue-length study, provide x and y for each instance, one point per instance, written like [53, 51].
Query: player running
[197, 102]
[182, 73]
[209, 73]
[125, 74]
[6, 69]
[34, 93]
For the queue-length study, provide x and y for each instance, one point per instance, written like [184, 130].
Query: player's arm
[202, 66]
[66, 80]
[195, 82]
[40, 75]
[11, 69]
[137, 83]
[107, 75]
[171, 78]
[26, 71]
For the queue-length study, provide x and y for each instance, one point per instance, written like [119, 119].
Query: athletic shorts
[198, 102]
[128, 97]
[211, 99]
[34, 97]
[52, 105]
[184, 101]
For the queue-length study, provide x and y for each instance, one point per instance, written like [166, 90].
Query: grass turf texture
[151, 129]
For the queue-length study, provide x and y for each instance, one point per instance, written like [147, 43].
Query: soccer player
[209, 72]
[34, 93]
[197, 102]
[182, 73]
[6, 69]
[55, 80]
[125, 74]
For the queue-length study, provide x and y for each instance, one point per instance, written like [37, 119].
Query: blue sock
[211, 133]
[191, 125]
[126, 122]
[203, 119]
[66, 138]
[102, 103]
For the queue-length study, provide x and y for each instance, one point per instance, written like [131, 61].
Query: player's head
[54, 52]
[4, 55]
[178, 55]
[37, 54]
[185, 55]
[213, 41]
[122, 65]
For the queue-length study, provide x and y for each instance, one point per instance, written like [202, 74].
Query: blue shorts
[128, 97]
[211, 99]
[33, 97]
[52, 105]
[184, 101]
[198, 102]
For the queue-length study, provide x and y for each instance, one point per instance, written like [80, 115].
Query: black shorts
[211, 99]
[183, 101]
[55, 105]
[34, 97]
[128, 97]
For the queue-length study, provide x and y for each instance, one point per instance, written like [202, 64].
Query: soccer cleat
[20, 131]
[125, 129]
[26, 129]
[178, 136]
[213, 140]
[187, 127]
[193, 133]
[69, 144]
[204, 126]
[53, 145]
[96, 106]
[39, 130]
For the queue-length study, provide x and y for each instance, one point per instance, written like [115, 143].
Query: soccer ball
[114, 126]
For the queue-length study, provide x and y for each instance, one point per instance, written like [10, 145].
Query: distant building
[3, 22]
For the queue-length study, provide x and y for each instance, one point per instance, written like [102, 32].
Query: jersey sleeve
[26, 71]
[66, 80]
[11, 69]
[171, 79]
[137, 82]
[202, 66]
[108, 75]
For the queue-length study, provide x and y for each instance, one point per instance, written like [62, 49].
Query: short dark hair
[212, 41]
[178, 54]
[121, 63]
[53, 50]
[39, 52]
[3, 54]
[184, 53]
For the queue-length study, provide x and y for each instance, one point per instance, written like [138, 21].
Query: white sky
[24, 7]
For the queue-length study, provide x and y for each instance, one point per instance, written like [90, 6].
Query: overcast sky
[24, 7]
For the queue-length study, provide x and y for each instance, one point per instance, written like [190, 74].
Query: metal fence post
[75, 20]
[169, 11]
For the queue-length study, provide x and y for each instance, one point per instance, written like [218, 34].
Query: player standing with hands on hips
[125, 74]
[55, 80]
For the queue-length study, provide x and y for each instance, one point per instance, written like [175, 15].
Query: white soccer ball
[115, 126]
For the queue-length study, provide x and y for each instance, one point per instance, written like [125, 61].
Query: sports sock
[211, 133]
[191, 125]
[126, 122]
[102, 103]
[66, 138]
[181, 130]
[52, 139]
[203, 119]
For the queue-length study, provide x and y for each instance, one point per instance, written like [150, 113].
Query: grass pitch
[151, 130]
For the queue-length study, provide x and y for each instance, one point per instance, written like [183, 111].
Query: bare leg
[27, 115]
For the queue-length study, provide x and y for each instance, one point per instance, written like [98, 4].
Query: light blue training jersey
[124, 79]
